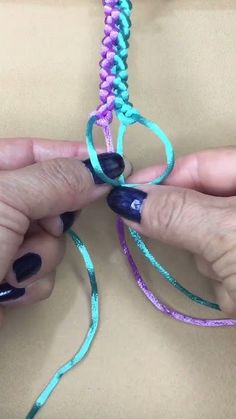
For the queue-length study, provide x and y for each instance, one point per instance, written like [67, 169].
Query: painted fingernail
[27, 266]
[8, 293]
[67, 219]
[112, 164]
[127, 202]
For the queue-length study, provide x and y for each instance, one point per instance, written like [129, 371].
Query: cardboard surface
[182, 75]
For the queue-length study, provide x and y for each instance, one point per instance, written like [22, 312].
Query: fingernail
[127, 202]
[27, 266]
[8, 292]
[67, 219]
[112, 164]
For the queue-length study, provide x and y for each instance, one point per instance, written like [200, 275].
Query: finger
[60, 224]
[21, 152]
[37, 291]
[56, 186]
[225, 301]
[206, 269]
[40, 290]
[44, 190]
[230, 285]
[39, 255]
[54, 225]
[212, 172]
[184, 218]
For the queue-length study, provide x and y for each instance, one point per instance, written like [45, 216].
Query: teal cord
[166, 275]
[46, 393]
[170, 158]
[123, 128]
[93, 153]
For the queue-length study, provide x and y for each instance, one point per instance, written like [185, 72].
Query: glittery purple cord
[154, 300]
[104, 112]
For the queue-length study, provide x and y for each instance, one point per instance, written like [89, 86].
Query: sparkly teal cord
[165, 274]
[46, 393]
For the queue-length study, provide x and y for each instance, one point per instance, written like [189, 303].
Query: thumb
[46, 189]
[184, 218]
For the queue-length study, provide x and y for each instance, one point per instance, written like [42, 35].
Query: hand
[42, 185]
[194, 210]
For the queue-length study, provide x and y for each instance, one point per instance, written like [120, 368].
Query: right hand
[194, 210]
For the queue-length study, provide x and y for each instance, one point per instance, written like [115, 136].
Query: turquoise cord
[166, 275]
[46, 393]
[122, 130]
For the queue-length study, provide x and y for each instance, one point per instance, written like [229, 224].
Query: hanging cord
[156, 301]
[82, 352]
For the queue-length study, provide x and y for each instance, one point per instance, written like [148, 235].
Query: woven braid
[108, 52]
[125, 110]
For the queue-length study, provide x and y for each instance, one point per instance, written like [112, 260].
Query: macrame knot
[103, 119]
[108, 51]
[126, 112]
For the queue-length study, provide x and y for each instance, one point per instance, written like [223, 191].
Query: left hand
[42, 186]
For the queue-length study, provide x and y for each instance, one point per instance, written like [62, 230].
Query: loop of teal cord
[46, 393]
[122, 130]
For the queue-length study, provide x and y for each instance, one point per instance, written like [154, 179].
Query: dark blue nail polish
[27, 266]
[127, 202]
[67, 219]
[112, 164]
[8, 293]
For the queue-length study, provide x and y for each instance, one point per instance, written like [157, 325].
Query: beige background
[182, 74]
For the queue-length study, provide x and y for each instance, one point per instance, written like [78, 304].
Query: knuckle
[230, 283]
[221, 241]
[11, 198]
[12, 221]
[64, 173]
[166, 214]
[225, 265]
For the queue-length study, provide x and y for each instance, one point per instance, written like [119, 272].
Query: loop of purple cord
[104, 114]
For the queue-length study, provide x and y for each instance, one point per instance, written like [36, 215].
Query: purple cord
[154, 300]
[104, 112]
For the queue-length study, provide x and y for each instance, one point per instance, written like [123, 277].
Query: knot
[107, 63]
[126, 112]
[103, 119]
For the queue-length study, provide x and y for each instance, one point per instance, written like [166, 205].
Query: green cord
[82, 352]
